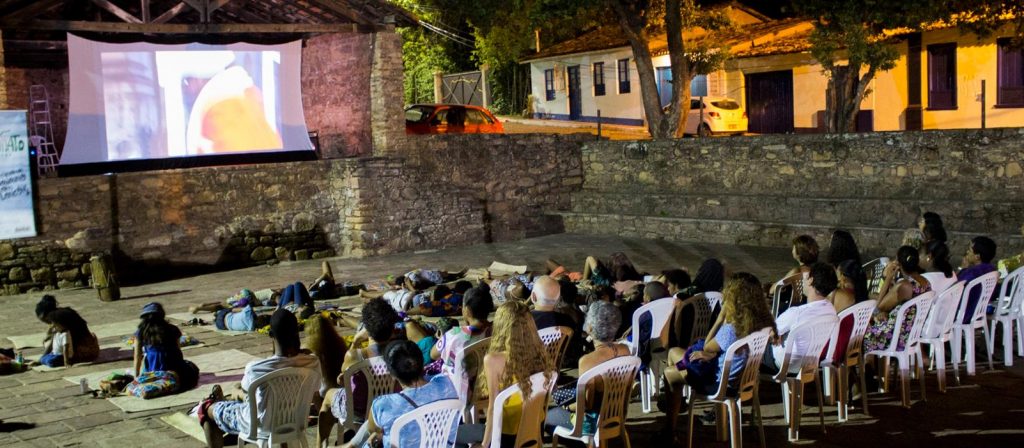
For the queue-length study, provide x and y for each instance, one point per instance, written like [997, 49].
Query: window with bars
[599, 79]
[942, 76]
[549, 84]
[1010, 79]
[623, 75]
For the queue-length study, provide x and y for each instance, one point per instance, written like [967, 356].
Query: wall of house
[615, 107]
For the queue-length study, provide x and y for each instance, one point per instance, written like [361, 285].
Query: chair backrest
[379, 381]
[703, 309]
[860, 316]
[535, 408]
[922, 303]
[556, 340]
[873, 273]
[660, 312]
[754, 344]
[616, 376]
[436, 423]
[787, 292]
[468, 363]
[986, 285]
[939, 281]
[803, 359]
[1011, 294]
[285, 395]
[943, 311]
[714, 298]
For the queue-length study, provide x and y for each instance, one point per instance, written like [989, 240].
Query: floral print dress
[879, 334]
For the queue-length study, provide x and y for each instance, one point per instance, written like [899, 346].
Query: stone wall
[17, 82]
[335, 92]
[765, 190]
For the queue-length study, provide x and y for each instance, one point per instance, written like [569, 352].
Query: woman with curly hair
[328, 347]
[516, 352]
[744, 311]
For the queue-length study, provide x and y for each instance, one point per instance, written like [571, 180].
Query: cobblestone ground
[41, 409]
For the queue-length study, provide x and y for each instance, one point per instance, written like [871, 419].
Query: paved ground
[41, 409]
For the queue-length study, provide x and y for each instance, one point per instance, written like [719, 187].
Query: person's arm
[435, 351]
[48, 341]
[68, 350]
[137, 356]
[714, 328]
[414, 331]
[894, 296]
[494, 364]
[368, 435]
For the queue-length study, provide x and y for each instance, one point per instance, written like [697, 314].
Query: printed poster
[17, 219]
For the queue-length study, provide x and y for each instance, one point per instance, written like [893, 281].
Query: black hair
[440, 292]
[46, 305]
[934, 231]
[909, 259]
[154, 330]
[404, 360]
[462, 286]
[399, 280]
[939, 252]
[677, 277]
[842, 247]
[710, 276]
[825, 280]
[379, 318]
[984, 247]
[806, 249]
[622, 268]
[855, 272]
[568, 292]
[479, 302]
[655, 290]
[932, 217]
[284, 328]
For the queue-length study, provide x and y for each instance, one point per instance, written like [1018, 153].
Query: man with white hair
[546, 292]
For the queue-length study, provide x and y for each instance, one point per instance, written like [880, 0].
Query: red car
[450, 119]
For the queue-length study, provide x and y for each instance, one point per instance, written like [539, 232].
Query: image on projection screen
[183, 103]
[139, 101]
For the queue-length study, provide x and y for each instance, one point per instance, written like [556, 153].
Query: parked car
[721, 116]
[450, 119]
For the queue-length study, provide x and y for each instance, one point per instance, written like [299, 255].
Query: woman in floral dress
[893, 294]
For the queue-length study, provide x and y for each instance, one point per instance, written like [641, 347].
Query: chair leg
[905, 385]
[721, 426]
[554, 441]
[969, 341]
[645, 392]
[920, 373]
[863, 385]
[989, 344]
[821, 404]
[957, 349]
[690, 435]
[940, 361]
[787, 402]
[842, 391]
[884, 383]
[1019, 321]
[1007, 342]
[735, 424]
[756, 410]
[625, 437]
[828, 384]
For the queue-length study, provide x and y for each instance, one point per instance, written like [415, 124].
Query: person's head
[284, 329]
[851, 275]
[929, 218]
[622, 268]
[675, 279]
[440, 292]
[568, 292]
[842, 247]
[546, 292]
[46, 305]
[821, 281]
[477, 304]
[515, 335]
[981, 250]
[744, 305]
[405, 361]
[153, 327]
[602, 322]
[462, 286]
[710, 276]
[936, 257]
[379, 319]
[909, 260]
[805, 250]
[654, 291]
[516, 290]
[327, 345]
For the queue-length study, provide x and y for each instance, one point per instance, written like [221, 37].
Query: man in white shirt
[821, 281]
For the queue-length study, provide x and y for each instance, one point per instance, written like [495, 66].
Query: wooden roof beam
[171, 13]
[117, 11]
[343, 10]
[33, 10]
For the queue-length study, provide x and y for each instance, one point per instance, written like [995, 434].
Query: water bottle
[83, 384]
[20, 358]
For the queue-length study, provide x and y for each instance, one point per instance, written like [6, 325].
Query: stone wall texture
[765, 190]
[17, 81]
[335, 92]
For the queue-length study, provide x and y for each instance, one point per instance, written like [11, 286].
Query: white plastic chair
[873, 273]
[616, 376]
[556, 340]
[286, 395]
[747, 388]
[468, 363]
[1008, 312]
[939, 327]
[788, 290]
[839, 360]
[436, 422]
[379, 382]
[939, 281]
[911, 351]
[660, 311]
[964, 333]
[535, 408]
[799, 368]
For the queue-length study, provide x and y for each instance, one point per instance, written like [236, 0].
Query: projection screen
[140, 101]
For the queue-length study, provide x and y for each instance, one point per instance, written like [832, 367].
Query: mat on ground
[186, 424]
[101, 331]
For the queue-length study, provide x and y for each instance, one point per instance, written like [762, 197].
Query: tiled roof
[603, 38]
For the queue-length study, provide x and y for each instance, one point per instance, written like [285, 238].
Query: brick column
[386, 88]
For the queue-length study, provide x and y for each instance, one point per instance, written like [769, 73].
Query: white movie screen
[148, 101]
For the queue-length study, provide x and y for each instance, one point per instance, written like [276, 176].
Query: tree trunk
[680, 104]
[842, 98]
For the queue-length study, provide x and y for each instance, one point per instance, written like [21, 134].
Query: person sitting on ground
[821, 281]
[219, 417]
[618, 269]
[379, 324]
[976, 262]
[710, 278]
[329, 348]
[744, 311]
[324, 287]
[892, 297]
[515, 287]
[545, 297]
[601, 325]
[935, 259]
[160, 368]
[68, 340]
[476, 308]
[842, 247]
[406, 364]
[515, 353]
[852, 287]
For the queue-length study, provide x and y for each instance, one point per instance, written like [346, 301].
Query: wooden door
[769, 98]
[575, 101]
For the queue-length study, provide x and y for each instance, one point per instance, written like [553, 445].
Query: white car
[721, 116]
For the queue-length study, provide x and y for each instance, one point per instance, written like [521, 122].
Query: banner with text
[17, 218]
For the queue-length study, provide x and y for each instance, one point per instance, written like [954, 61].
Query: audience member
[893, 295]
[160, 367]
[976, 262]
[842, 247]
[328, 347]
[545, 298]
[805, 252]
[710, 278]
[821, 281]
[676, 280]
[477, 306]
[68, 339]
[935, 258]
[852, 288]
[932, 229]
